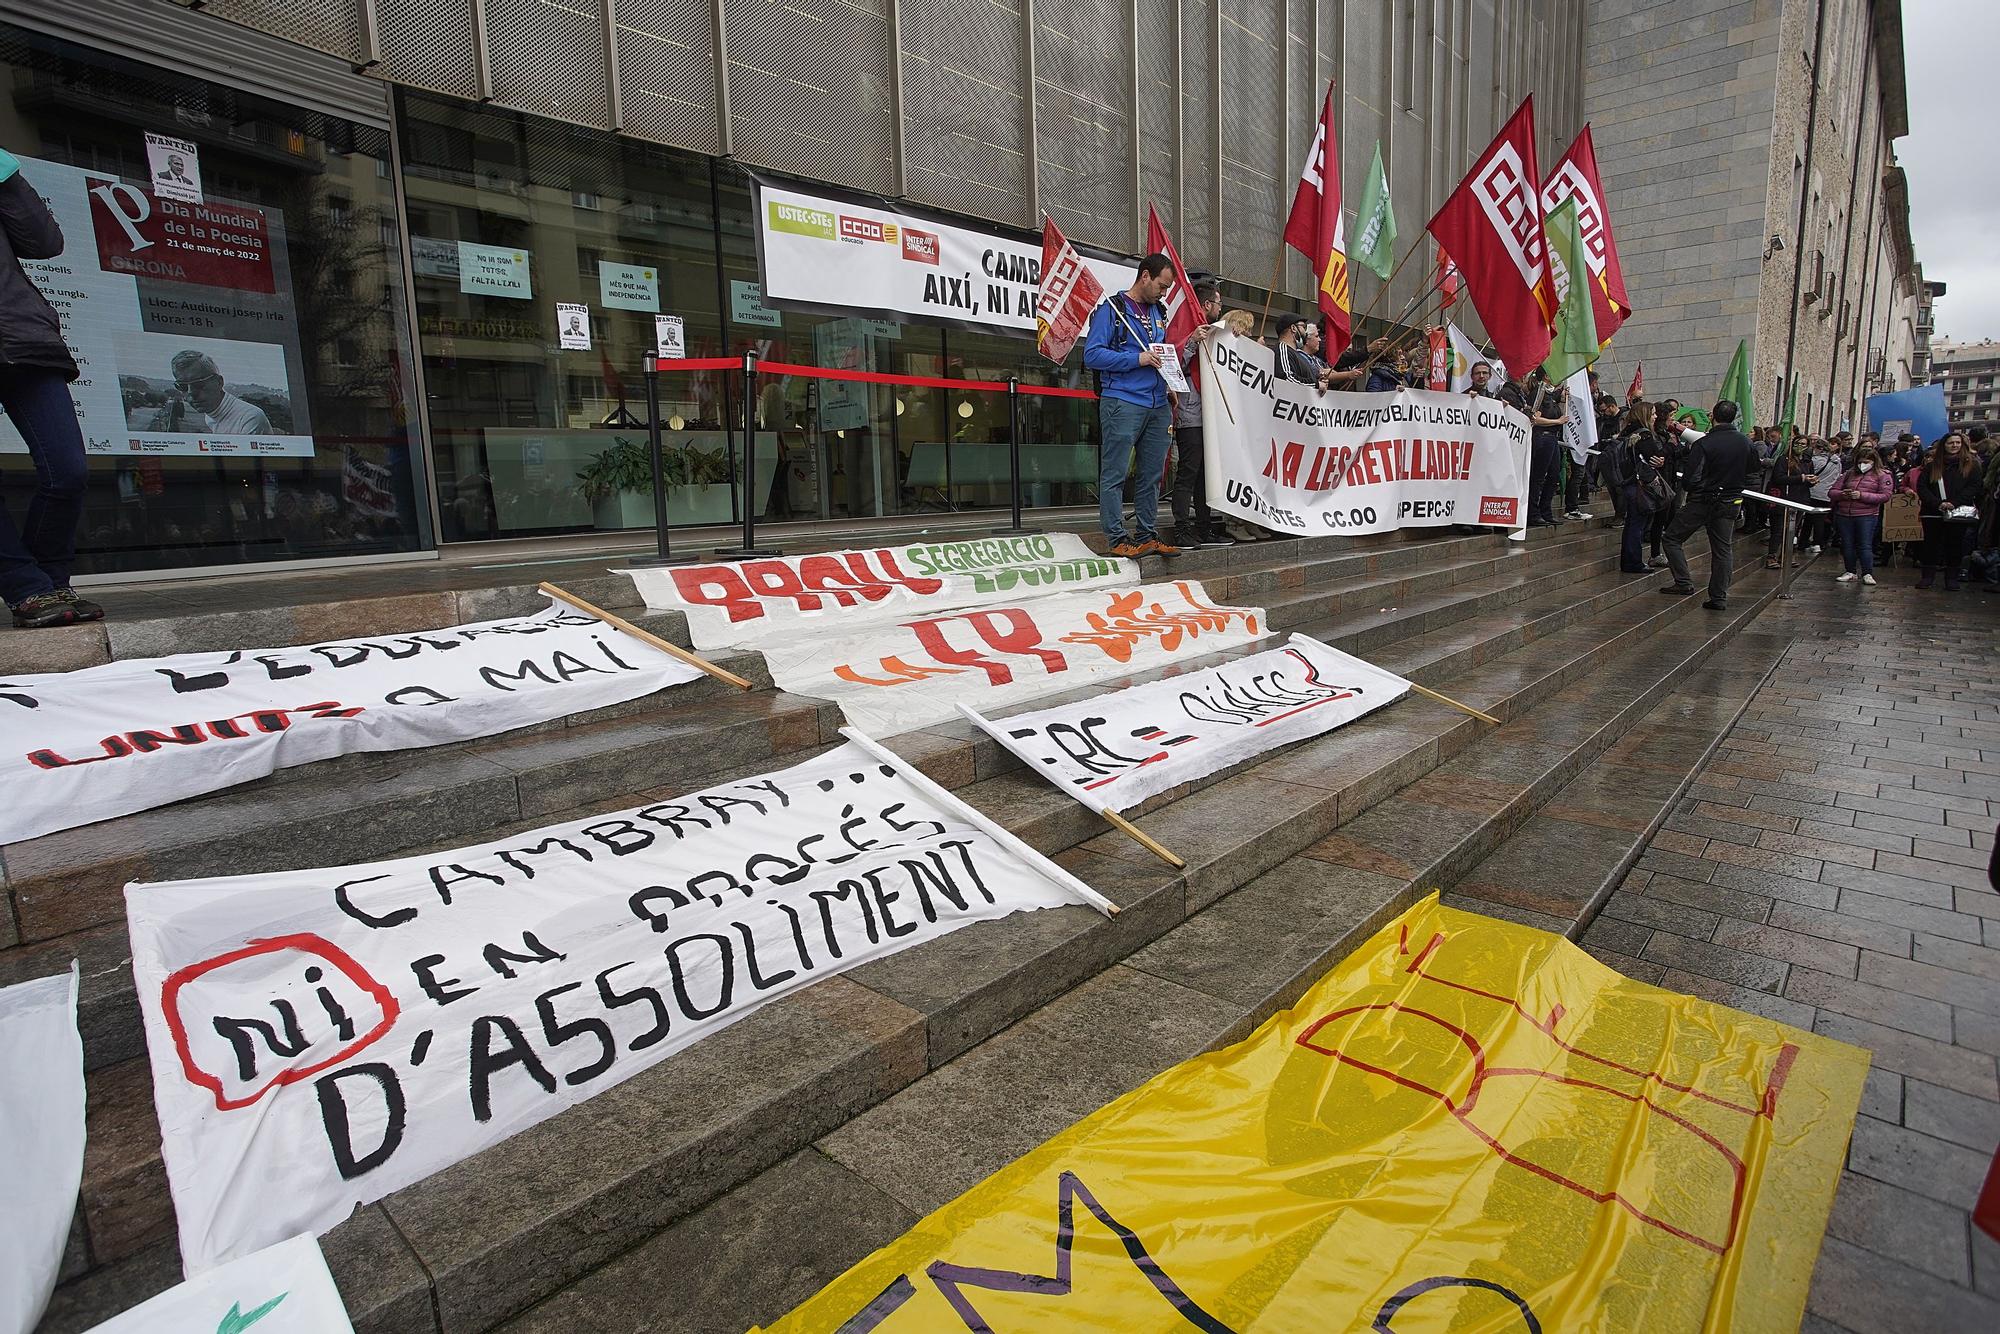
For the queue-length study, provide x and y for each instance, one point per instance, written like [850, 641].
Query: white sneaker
[1868, 579]
[1847, 578]
[1813, 550]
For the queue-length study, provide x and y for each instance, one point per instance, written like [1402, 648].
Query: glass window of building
[233, 295]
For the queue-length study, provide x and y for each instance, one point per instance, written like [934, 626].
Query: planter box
[686, 506]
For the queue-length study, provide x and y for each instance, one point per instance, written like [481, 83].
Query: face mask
[1865, 467]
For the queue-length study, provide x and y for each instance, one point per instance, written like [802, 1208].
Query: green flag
[1575, 343]
[1791, 408]
[1736, 388]
[1375, 224]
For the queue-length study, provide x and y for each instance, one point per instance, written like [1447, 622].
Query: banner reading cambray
[1284, 456]
[1467, 1125]
[128, 736]
[1114, 750]
[891, 678]
[321, 1038]
[756, 603]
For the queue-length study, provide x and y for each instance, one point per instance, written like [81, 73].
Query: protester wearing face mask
[1790, 478]
[1817, 529]
[1858, 496]
[1947, 489]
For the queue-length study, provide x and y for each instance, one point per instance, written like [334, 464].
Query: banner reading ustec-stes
[1282, 455]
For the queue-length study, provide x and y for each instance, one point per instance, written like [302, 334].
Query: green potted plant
[618, 483]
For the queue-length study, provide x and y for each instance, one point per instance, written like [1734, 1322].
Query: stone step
[366, 807]
[494, 1244]
[1206, 982]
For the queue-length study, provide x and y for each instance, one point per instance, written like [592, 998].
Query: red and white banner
[786, 600]
[1447, 280]
[1315, 229]
[322, 1038]
[1575, 177]
[1113, 751]
[1492, 227]
[917, 672]
[1439, 343]
[1069, 291]
[1183, 311]
[138, 733]
[1284, 456]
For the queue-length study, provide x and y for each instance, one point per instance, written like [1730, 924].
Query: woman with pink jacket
[1858, 497]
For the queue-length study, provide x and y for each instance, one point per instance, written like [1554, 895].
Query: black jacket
[1721, 463]
[1959, 489]
[30, 333]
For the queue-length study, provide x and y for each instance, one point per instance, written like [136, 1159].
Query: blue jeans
[1857, 541]
[1632, 551]
[35, 558]
[1126, 427]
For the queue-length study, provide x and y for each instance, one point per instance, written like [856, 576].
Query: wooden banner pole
[1213, 385]
[1428, 693]
[1390, 281]
[620, 623]
[1271, 292]
[1139, 836]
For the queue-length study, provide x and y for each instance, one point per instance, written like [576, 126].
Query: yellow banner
[1466, 1126]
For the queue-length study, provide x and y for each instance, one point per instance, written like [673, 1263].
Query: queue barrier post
[749, 549]
[664, 554]
[1014, 529]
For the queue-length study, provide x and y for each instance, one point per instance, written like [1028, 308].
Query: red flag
[1492, 227]
[1440, 348]
[1315, 230]
[1638, 385]
[1069, 291]
[1575, 177]
[1447, 279]
[1183, 311]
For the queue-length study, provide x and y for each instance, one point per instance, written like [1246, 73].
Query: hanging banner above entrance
[826, 254]
[1287, 457]
[321, 1038]
[131, 735]
[1114, 750]
[1467, 1125]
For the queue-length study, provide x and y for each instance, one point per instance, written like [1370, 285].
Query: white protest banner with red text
[1287, 457]
[1115, 750]
[285, 1289]
[322, 1038]
[131, 735]
[1492, 228]
[916, 673]
[755, 603]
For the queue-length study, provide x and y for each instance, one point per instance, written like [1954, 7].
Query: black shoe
[1713, 605]
[1677, 591]
[1217, 538]
[85, 609]
[42, 611]
[1633, 569]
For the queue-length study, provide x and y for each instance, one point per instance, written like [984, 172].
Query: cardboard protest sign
[131, 735]
[1287, 457]
[350, 1031]
[41, 1130]
[282, 1289]
[1468, 1124]
[757, 602]
[1901, 519]
[895, 677]
[1115, 750]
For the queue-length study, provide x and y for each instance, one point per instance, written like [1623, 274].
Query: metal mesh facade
[666, 66]
[812, 88]
[965, 107]
[1131, 101]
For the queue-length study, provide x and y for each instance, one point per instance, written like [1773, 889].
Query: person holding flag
[1123, 345]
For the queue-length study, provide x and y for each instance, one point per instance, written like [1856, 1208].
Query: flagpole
[1271, 292]
[1391, 279]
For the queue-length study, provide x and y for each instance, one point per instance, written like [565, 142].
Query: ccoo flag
[1736, 388]
[1314, 229]
[1183, 311]
[1575, 177]
[1375, 223]
[1492, 227]
[1069, 291]
[1575, 343]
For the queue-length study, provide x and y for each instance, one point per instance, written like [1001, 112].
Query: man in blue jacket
[1132, 411]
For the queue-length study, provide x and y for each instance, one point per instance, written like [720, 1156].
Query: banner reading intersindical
[1467, 1125]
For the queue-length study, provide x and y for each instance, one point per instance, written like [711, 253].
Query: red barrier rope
[867, 377]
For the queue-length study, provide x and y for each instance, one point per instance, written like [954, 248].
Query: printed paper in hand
[1170, 367]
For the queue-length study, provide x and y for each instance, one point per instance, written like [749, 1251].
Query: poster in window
[181, 319]
[175, 165]
[573, 327]
[670, 337]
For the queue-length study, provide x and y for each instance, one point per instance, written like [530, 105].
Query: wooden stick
[1446, 699]
[1271, 292]
[979, 820]
[1390, 281]
[1139, 836]
[1214, 386]
[620, 623]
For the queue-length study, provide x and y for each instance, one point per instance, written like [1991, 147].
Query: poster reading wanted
[175, 166]
[573, 327]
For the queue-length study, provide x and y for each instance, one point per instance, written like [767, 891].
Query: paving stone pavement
[1827, 868]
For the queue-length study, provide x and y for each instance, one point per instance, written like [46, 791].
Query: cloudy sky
[1950, 51]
